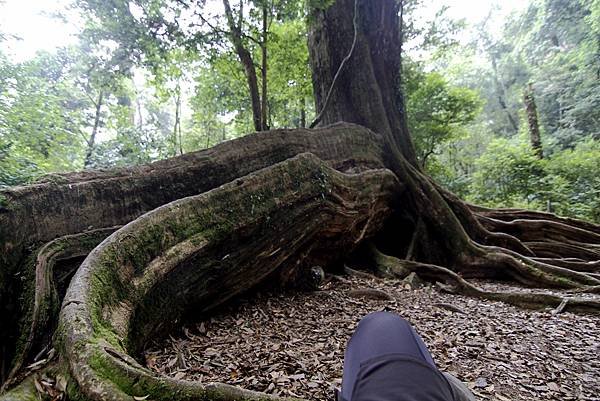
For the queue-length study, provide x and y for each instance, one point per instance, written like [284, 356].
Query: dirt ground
[293, 344]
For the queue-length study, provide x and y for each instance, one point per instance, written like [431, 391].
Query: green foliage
[40, 119]
[81, 107]
[554, 44]
[437, 111]
[48, 109]
[509, 175]
[576, 182]
[221, 106]
[142, 131]
[289, 74]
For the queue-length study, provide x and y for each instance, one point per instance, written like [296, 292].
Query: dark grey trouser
[386, 360]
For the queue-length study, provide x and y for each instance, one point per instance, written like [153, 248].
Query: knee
[383, 319]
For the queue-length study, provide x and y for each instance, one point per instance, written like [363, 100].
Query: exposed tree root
[476, 230]
[193, 254]
[589, 290]
[553, 249]
[24, 391]
[575, 264]
[74, 203]
[127, 287]
[352, 272]
[391, 266]
[530, 272]
[38, 325]
[541, 230]
[370, 293]
[531, 215]
[530, 263]
[466, 248]
[201, 228]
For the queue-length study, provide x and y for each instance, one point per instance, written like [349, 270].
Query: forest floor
[293, 344]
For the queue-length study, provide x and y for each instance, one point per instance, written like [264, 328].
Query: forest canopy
[152, 79]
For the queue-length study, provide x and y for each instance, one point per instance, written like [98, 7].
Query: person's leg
[378, 334]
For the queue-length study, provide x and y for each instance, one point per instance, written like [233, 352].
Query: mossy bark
[195, 253]
[92, 201]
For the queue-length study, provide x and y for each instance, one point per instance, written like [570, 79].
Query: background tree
[437, 112]
[40, 118]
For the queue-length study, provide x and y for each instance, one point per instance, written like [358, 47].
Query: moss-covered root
[195, 253]
[47, 383]
[44, 303]
[25, 391]
[499, 262]
[122, 378]
[456, 284]
[76, 202]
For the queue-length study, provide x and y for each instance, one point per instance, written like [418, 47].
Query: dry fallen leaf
[293, 344]
[553, 387]
[61, 383]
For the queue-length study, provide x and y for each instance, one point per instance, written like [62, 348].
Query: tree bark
[76, 203]
[302, 113]
[368, 92]
[532, 121]
[288, 217]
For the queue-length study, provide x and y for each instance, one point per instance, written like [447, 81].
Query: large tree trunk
[358, 82]
[368, 88]
[165, 241]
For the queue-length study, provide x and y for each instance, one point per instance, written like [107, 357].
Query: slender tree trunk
[140, 123]
[125, 101]
[235, 34]
[303, 113]
[263, 47]
[501, 90]
[180, 136]
[532, 120]
[177, 125]
[598, 57]
[92, 140]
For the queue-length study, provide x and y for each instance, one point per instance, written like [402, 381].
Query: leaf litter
[292, 344]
